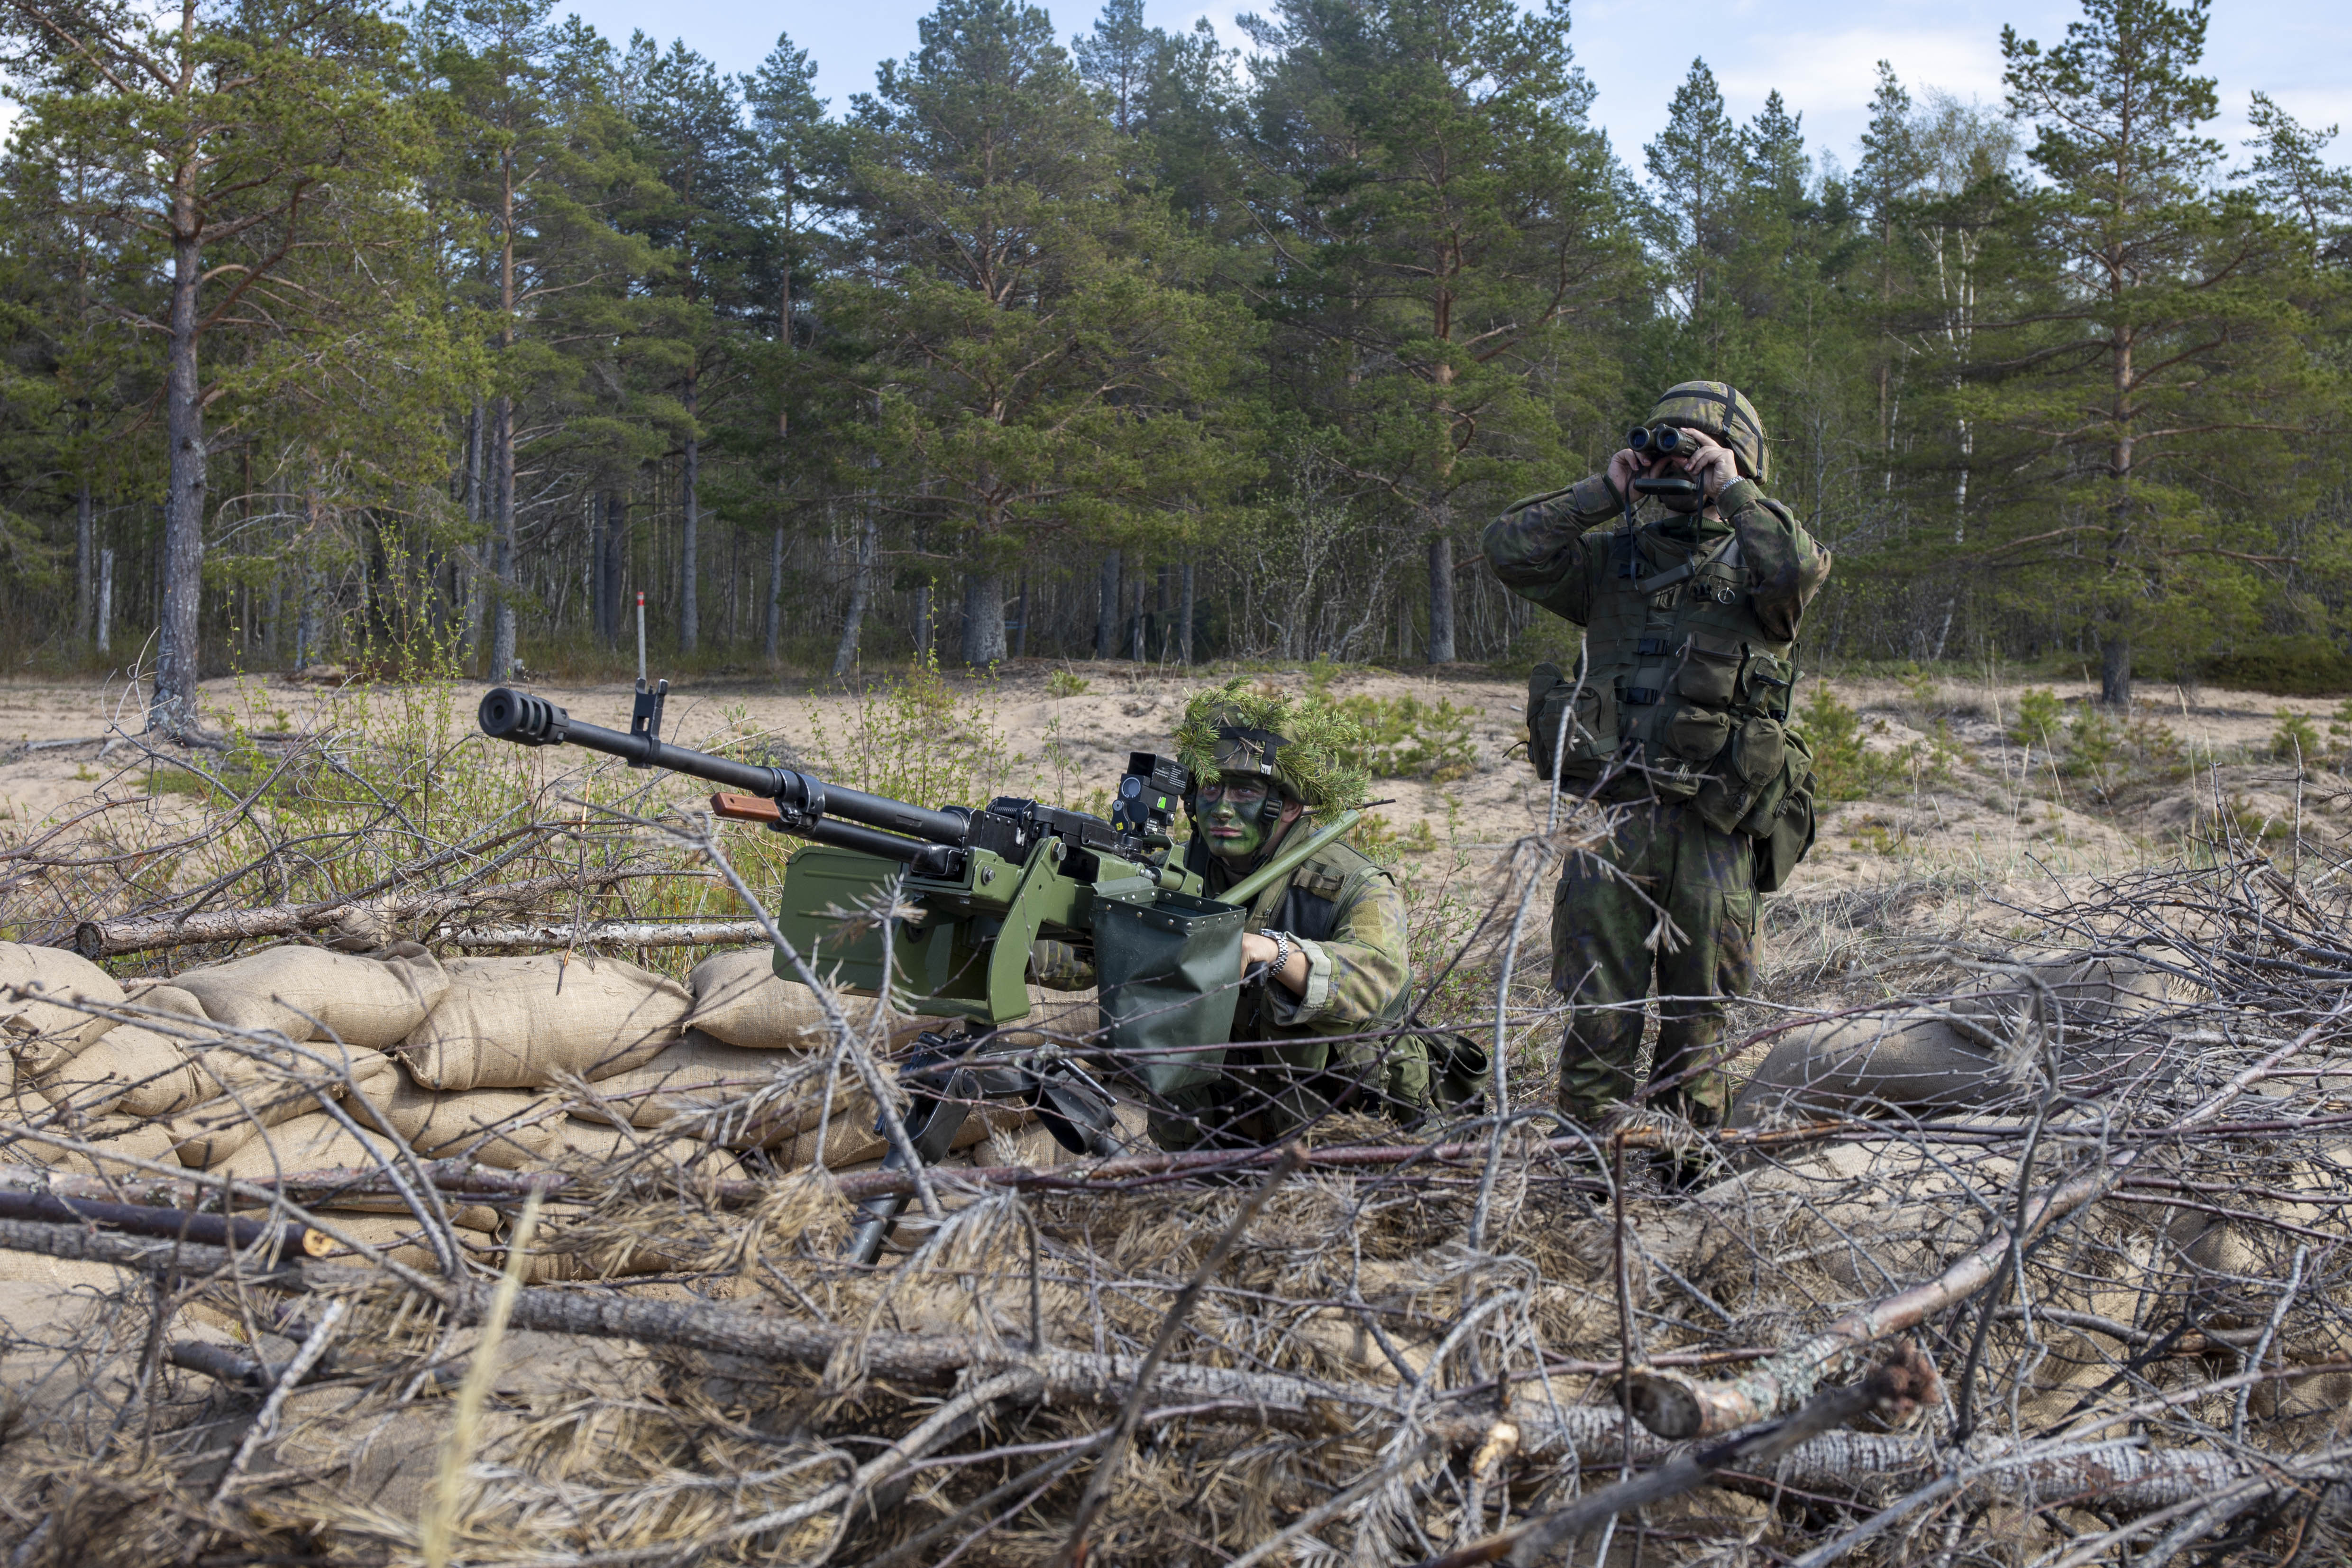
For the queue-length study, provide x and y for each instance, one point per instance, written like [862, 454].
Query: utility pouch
[1459, 1070]
[1782, 822]
[1593, 737]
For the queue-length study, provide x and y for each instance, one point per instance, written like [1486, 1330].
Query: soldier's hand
[1623, 468]
[1712, 464]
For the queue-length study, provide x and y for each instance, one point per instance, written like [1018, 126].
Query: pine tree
[2290, 175]
[1696, 165]
[2163, 347]
[238, 137]
[1036, 361]
[695, 143]
[799, 155]
[1119, 59]
[1445, 220]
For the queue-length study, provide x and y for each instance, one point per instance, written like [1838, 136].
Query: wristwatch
[1283, 947]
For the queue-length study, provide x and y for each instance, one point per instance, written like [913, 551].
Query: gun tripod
[948, 1077]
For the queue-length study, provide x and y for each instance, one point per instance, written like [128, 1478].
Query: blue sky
[1818, 54]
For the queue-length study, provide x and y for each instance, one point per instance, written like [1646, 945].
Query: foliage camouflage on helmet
[1310, 760]
[1723, 412]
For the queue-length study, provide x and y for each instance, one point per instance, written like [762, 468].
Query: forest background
[431, 340]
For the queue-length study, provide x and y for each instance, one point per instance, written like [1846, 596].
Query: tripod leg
[931, 1125]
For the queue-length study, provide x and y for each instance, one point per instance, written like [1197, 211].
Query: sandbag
[306, 993]
[1903, 1061]
[2084, 990]
[401, 1238]
[696, 1076]
[1056, 1018]
[267, 1073]
[506, 1128]
[143, 1072]
[208, 1134]
[739, 998]
[314, 1142]
[850, 1138]
[520, 1022]
[40, 1054]
[38, 986]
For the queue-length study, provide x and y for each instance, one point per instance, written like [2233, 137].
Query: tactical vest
[1684, 696]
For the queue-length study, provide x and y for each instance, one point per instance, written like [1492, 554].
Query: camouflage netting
[1312, 763]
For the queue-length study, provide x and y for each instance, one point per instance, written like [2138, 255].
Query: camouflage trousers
[1604, 959]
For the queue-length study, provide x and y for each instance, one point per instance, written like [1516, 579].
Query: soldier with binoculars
[1690, 585]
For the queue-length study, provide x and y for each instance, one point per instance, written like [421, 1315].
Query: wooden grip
[744, 807]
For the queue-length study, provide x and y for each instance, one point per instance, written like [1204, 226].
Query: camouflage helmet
[1721, 411]
[1302, 746]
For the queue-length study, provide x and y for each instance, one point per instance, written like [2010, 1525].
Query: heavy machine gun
[983, 884]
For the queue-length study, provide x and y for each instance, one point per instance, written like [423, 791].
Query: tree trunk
[85, 561]
[171, 709]
[503, 549]
[105, 600]
[1441, 598]
[984, 619]
[599, 589]
[776, 593]
[861, 595]
[1107, 609]
[2114, 668]
[1189, 605]
[1136, 627]
[923, 622]
[471, 650]
[689, 609]
[306, 623]
[1021, 627]
[616, 548]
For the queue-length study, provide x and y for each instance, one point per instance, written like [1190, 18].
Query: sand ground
[1978, 812]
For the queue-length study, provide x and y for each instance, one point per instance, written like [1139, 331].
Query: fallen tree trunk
[595, 933]
[1897, 1390]
[1094, 1176]
[105, 939]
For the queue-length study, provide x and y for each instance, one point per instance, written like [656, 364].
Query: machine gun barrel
[911, 834]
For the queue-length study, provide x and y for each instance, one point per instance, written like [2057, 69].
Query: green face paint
[1228, 809]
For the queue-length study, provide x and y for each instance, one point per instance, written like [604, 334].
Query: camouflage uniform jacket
[1691, 622]
[1554, 549]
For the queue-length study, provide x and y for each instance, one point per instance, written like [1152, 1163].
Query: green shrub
[2296, 740]
[1407, 738]
[1067, 683]
[2095, 750]
[1844, 767]
[2039, 714]
[921, 739]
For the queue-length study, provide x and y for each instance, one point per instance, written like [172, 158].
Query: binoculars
[1648, 441]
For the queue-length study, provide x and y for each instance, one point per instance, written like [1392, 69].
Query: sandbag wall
[526, 1063]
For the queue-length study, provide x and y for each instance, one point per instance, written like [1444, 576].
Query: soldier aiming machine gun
[985, 883]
